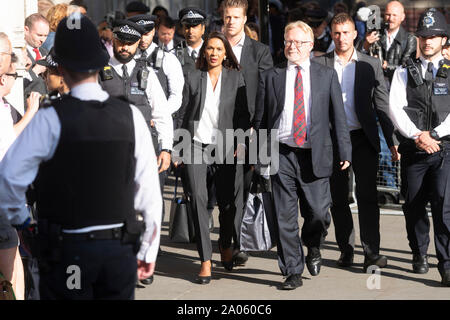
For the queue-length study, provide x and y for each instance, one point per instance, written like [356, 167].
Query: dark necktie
[429, 72]
[125, 72]
[299, 111]
[194, 55]
[144, 54]
[38, 54]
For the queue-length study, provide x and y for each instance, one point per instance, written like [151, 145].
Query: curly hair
[56, 14]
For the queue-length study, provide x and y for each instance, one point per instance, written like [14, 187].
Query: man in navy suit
[303, 100]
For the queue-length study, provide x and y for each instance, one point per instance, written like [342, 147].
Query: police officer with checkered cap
[193, 21]
[419, 108]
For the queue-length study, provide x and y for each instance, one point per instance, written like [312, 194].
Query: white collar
[304, 65]
[89, 91]
[435, 61]
[353, 58]
[241, 42]
[393, 35]
[190, 49]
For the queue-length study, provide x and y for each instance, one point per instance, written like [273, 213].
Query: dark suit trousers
[294, 183]
[365, 167]
[228, 180]
[426, 178]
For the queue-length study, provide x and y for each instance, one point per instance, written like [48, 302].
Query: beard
[121, 57]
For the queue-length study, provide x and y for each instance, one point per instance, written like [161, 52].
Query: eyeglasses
[298, 44]
[14, 75]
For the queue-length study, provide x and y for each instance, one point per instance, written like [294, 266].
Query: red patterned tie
[38, 54]
[299, 111]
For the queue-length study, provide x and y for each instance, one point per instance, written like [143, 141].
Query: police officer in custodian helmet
[97, 180]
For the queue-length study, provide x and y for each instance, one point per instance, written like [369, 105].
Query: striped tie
[299, 111]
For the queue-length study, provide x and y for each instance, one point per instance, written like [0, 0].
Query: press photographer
[387, 39]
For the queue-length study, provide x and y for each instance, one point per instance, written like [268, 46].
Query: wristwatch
[434, 134]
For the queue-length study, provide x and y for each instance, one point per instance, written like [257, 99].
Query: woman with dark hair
[214, 101]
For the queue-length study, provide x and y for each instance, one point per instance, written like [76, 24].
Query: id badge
[135, 89]
[440, 89]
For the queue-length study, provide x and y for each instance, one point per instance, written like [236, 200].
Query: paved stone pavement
[178, 265]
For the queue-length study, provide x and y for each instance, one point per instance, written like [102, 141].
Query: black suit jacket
[233, 113]
[255, 58]
[327, 113]
[371, 97]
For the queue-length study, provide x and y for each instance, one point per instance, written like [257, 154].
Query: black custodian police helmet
[432, 23]
[146, 21]
[127, 31]
[78, 46]
[191, 16]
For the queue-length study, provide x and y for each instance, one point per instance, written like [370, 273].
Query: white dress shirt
[346, 76]
[197, 50]
[158, 102]
[237, 49]
[208, 124]
[286, 128]
[38, 143]
[174, 72]
[7, 134]
[398, 100]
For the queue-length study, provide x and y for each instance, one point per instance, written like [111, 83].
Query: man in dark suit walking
[365, 100]
[36, 32]
[303, 101]
[254, 57]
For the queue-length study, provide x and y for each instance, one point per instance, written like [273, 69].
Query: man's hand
[163, 161]
[33, 102]
[145, 270]
[385, 64]
[344, 164]
[371, 38]
[426, 143]
[38, 69]
[395, 156]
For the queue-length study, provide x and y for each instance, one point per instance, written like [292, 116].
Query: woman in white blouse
[214, 100]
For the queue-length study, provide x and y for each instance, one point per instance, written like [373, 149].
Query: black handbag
[181, 224]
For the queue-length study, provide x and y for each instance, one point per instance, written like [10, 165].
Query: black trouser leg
[415, 186]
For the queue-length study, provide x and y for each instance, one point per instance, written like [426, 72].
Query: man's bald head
[5, 53]
[394, 15]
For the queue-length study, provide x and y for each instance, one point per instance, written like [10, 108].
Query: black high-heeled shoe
[228, 265]
[203, 279]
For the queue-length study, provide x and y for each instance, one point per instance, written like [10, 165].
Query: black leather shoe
[147, 281]
[240, 258]
[313, 261]
[345, 260]
[446, 278]
[420, 264]
[292, 282]
[374, 260]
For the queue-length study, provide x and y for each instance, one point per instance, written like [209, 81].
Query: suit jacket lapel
[245, 52]
[203, 83]
[223, 92]
[358, 81]
[280, 87]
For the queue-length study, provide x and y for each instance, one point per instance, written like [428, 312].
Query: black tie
[125, 72]
[144, 54]
[429, 73]
[194, 55]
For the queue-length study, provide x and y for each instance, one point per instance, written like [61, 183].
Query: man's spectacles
[14, 75]
[298, 44]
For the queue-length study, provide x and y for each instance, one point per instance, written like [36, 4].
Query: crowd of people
[113, 108]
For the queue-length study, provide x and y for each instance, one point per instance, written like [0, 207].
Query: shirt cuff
[17, 216]
[442, 131]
